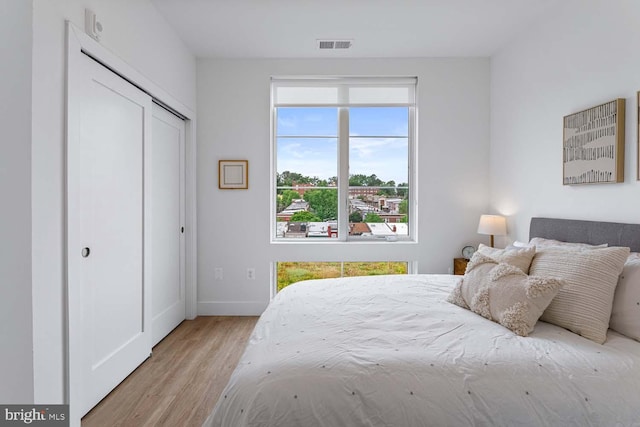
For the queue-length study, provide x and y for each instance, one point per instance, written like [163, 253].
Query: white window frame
[412, 268]
[343, 105]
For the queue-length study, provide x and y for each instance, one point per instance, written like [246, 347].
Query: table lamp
[492, 225]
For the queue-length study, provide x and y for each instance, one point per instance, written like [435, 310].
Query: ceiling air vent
[334, 44]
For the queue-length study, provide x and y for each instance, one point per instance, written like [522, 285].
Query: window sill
[312, 241]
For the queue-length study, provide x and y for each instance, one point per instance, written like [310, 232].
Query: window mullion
[343, 174]
[412, 192]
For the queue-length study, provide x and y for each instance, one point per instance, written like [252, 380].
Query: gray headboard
[592, 232]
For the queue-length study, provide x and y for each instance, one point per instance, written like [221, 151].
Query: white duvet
[390, 351]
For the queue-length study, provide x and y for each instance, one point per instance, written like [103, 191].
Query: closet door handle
[85, 252]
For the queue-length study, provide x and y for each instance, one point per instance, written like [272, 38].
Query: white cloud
[370, 147]
[385, 157]
[287, 122]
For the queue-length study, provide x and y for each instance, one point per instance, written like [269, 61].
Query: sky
[378, 142]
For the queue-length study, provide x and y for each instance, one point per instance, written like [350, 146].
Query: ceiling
[379, 28]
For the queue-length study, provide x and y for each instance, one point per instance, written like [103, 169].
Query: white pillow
[584, 304]
[518, 257]
[540, 242]
[518, 244]
[625, 314]
[504, 294]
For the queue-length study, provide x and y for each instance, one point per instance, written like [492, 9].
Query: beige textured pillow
[518, 257]
[582, 306]
[504, 294]
[625, 313]
[540, 242]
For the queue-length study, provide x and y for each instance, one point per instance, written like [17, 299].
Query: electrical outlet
[217, 273]
[251, 273]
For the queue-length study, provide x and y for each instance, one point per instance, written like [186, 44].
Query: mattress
[390, 351]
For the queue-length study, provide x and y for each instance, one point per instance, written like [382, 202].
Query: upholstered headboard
[592, 232]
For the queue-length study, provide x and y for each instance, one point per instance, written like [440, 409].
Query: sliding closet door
[167, 273]
[109, 321]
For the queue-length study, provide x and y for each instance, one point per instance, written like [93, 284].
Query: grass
[292, 272]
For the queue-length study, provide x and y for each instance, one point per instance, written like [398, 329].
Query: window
[292, 272]
[343, 156]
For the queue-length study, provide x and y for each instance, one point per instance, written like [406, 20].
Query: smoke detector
[329, 44]
[92, 26]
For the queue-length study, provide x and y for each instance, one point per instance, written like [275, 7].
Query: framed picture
[593, 145]
[233, 174]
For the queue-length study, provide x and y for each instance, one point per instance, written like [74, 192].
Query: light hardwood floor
[179, 385]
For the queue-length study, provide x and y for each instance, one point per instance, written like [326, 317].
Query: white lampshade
[495, 225]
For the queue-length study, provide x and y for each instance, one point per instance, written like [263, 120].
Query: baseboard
[231, 308]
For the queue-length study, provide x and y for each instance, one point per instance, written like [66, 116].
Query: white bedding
[390, 351]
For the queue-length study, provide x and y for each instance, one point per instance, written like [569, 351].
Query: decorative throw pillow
[583, 306]
[625, 314]
[504, 294]
[540, 242]
[518, 257]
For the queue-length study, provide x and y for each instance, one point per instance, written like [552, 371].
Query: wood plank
[181, 382]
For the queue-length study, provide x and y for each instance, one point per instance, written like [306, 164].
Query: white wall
[16, 358]
[135, 31]
[583, 54]
[234, 123]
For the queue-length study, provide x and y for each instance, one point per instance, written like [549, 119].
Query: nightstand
[459, 266]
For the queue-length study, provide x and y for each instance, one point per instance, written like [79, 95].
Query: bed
[391, 351]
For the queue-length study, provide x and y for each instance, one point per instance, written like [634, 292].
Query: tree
[304, 216]
[286, 198]
[402, 192]
[390, 191]
[286, 179]
[355, 216]
[372, 217]
[403, 207]
[357, 180]
[324, 203]
[360, 180]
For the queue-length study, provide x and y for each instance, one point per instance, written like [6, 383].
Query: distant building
[359, 229]
[329, 229]
[381, 229]
[296, 230]
[392, 218]
[332, 228]
[391, 205]
[386, 208]
[363, 191]
[322, 229]
[361, 206]
[402, 229]
[301, 188]
[281, 228]
[297, 205]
